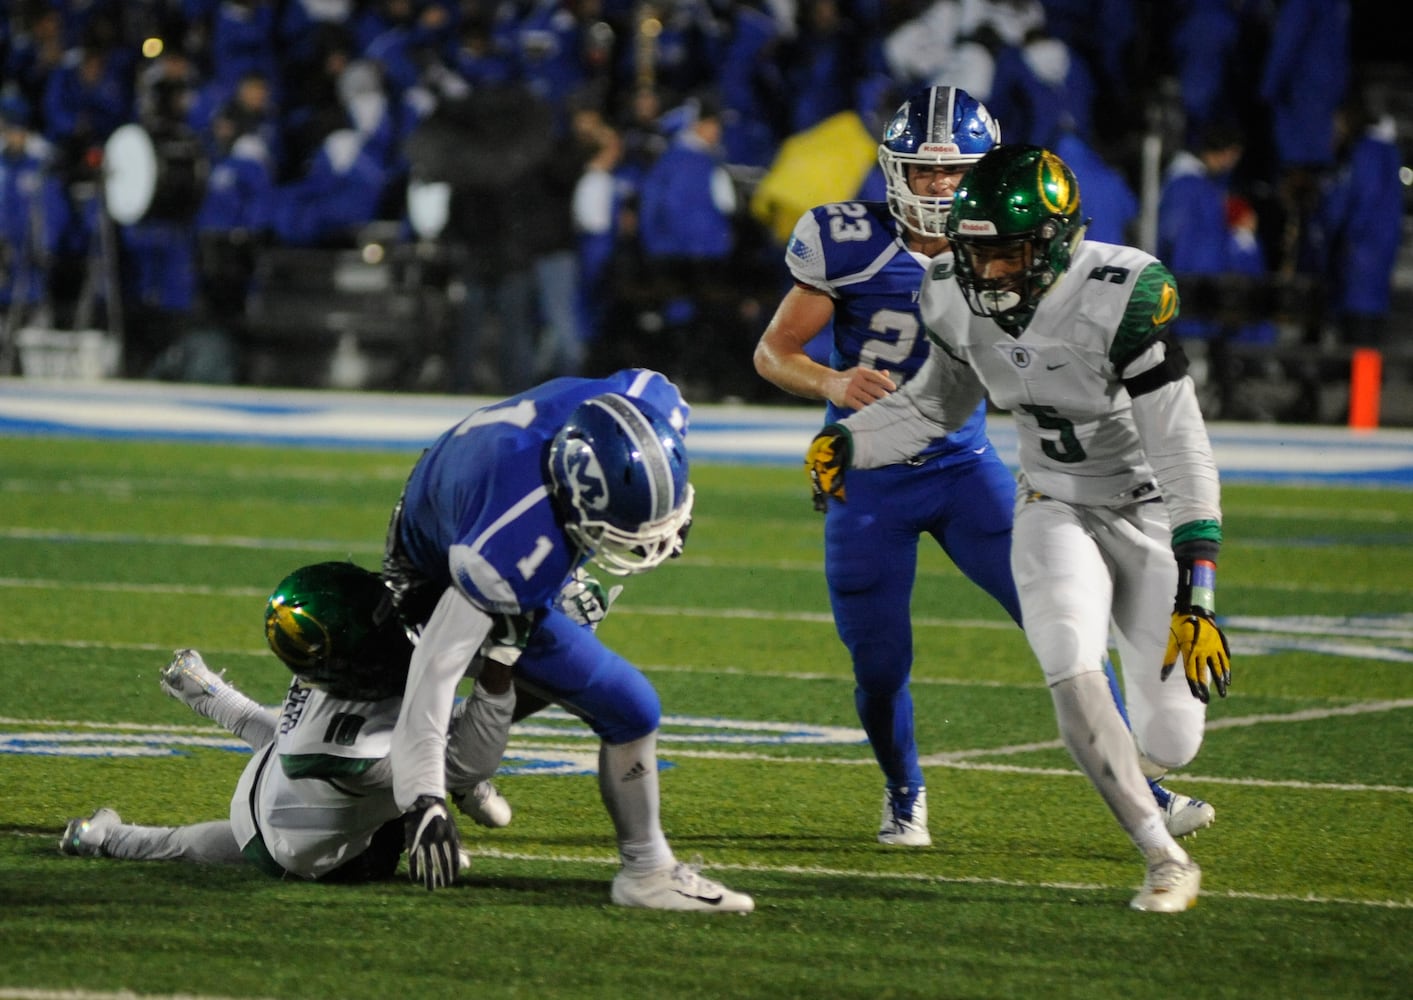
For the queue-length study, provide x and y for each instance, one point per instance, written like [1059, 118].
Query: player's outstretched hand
[825, 461]
[1195, 637]
[433, 845]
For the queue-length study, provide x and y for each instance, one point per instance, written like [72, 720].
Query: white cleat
[84, 838]
[1184, 816]
[898, 830]
[679, 886]
[189, 680]
[484, 804]
[1170, 887]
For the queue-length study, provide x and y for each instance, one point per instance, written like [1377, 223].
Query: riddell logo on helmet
[938, 149]
[977, 227]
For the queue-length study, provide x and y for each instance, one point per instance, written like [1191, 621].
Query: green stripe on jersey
[323, 765]
[1151, 308]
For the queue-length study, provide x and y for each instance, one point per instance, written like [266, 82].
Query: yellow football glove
[1193, 633]
[825, 461]
[1203, 647]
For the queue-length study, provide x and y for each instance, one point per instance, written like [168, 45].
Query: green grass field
[114, 553]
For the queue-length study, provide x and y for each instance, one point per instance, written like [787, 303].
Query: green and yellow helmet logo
[1055, 185]
[1167, 307]
[295, 636]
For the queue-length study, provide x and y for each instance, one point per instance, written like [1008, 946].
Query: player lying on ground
[315, 801]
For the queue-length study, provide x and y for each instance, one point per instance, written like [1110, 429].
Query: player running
[1118, 507]
[857, 267]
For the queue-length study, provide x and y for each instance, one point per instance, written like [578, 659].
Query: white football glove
[584, 599]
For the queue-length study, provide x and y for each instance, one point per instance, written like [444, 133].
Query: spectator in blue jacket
[1305, 78]
[1196, 233]
[88, 95]
[1359, 223]
[341, 190]
[1205, 46]
[22, 166]
[751, 88]
[1040, 87]
[692, 255]
[243, 40]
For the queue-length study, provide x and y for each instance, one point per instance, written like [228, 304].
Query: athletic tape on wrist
[1204, 585]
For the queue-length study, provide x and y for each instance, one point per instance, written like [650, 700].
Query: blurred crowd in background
[612, 181]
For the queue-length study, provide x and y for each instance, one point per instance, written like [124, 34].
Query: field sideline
[720, 433]
[141, 518]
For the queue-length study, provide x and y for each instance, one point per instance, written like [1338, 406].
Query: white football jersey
[1063, 379]
[318, 793]
[1058, 378]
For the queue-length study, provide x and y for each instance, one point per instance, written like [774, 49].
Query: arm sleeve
[244, 717]
[1174, 436]
[936, 401]
[448, 644]
[478, 737]
[257, 726]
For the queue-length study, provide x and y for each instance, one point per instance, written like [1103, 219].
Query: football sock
[207, 843]
[629, 786]
[1151, 771]
[1101, 745]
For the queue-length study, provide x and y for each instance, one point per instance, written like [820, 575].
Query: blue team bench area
[719, 433]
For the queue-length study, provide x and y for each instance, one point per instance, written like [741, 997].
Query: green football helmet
[1022, 203]
[334, 626]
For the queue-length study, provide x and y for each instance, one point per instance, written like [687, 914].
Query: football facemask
[1019, 204]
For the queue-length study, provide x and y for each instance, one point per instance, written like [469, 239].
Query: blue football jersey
[853, 251]
[477, 511]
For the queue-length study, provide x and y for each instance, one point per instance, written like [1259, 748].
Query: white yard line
[810, 871]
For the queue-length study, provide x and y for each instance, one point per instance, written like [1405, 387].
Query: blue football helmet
[934, 126]
[618, 471]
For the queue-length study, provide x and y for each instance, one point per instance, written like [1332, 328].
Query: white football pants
[1080, 570]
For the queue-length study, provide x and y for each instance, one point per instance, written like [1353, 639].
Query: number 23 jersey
[851, 251]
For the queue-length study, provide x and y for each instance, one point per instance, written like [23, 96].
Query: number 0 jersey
[852, 251]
